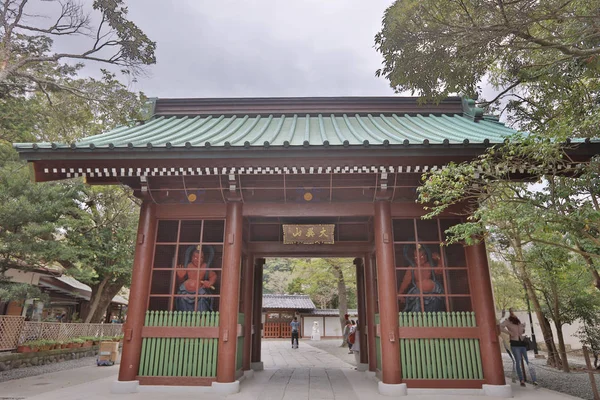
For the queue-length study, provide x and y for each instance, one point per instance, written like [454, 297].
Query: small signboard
[308, 234]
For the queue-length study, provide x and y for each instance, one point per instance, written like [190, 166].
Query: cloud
[261, 48]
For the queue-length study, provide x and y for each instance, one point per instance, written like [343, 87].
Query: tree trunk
[89, 308]
[102, 294]
[561, 346]
[558, 325]
[109, 292]
[553, 356]
[592, 267]
[342, 297]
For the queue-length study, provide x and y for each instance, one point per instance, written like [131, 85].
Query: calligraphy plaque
[308, 234]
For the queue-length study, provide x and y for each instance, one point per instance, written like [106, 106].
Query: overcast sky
[226, 48]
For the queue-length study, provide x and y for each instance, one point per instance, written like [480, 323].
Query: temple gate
[219, 180]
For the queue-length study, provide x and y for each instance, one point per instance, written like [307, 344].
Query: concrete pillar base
[371, 374]
[226, 387]
[362, 367]
[497, 390]
[391, 389]
[123, 387]
[249, 374]
[257, 366]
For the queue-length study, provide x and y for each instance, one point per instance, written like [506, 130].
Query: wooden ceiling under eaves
[299, 189]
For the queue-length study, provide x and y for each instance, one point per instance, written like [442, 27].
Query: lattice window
[430, 277]
[186, 270]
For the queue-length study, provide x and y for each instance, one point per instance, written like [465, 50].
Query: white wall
[308, 325]
[332, 327]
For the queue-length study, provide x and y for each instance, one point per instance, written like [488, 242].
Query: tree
[277, 275]
[508, 291]
[44, 98]
[326, 281]
[101, 240]
[460, 42]
[27, 59]
[30, 219]
[562, 281]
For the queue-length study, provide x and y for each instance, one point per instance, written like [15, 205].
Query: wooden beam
[344, 249]
[183, 211]
[438, 332]
[180, 332]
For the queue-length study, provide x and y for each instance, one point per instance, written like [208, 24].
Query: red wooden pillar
[483, 304]
[257, 310]
[388, 302]
[230, 293]
[370, 318]
[248, 288]
[362, 310]
[140, 286]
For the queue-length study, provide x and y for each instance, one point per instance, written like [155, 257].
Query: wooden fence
[14, 330]
[174, 345]
[453, 354]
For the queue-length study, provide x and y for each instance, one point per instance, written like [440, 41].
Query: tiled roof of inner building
[291, 301]
[258, 127]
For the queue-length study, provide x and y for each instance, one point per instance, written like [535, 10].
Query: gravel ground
[575, 383]
[19, 373]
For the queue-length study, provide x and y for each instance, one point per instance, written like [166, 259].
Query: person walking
[295, 331]
[346, 333]
[356, 345]
[351, 336]
[516, 329]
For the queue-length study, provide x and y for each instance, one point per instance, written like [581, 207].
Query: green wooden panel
[458, 359]
[215, 343]
[438, 357]
[426, 359]
[143, 357]
[444, 366]
[179, 356]
[405, 369]
[378, 344]
[240, 345]
[160, 343]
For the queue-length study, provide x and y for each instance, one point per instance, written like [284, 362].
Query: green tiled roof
[293, 130]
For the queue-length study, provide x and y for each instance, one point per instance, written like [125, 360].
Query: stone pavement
[319, 371]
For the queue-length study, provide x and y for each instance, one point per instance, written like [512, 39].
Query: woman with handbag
[513, 326]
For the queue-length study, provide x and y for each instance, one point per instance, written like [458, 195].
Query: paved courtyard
[316, 370]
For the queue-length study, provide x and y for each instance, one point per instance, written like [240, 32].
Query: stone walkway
[318, 370]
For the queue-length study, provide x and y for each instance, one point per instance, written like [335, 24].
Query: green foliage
[277, 275]
[508, 290]
[101, 238]
[513, 44]
[315, 277]
[26, 50]
[564, 283]
[31, 216]
[19, 291]
[43, 97]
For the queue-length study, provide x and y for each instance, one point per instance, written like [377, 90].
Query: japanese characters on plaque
[308, 234]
